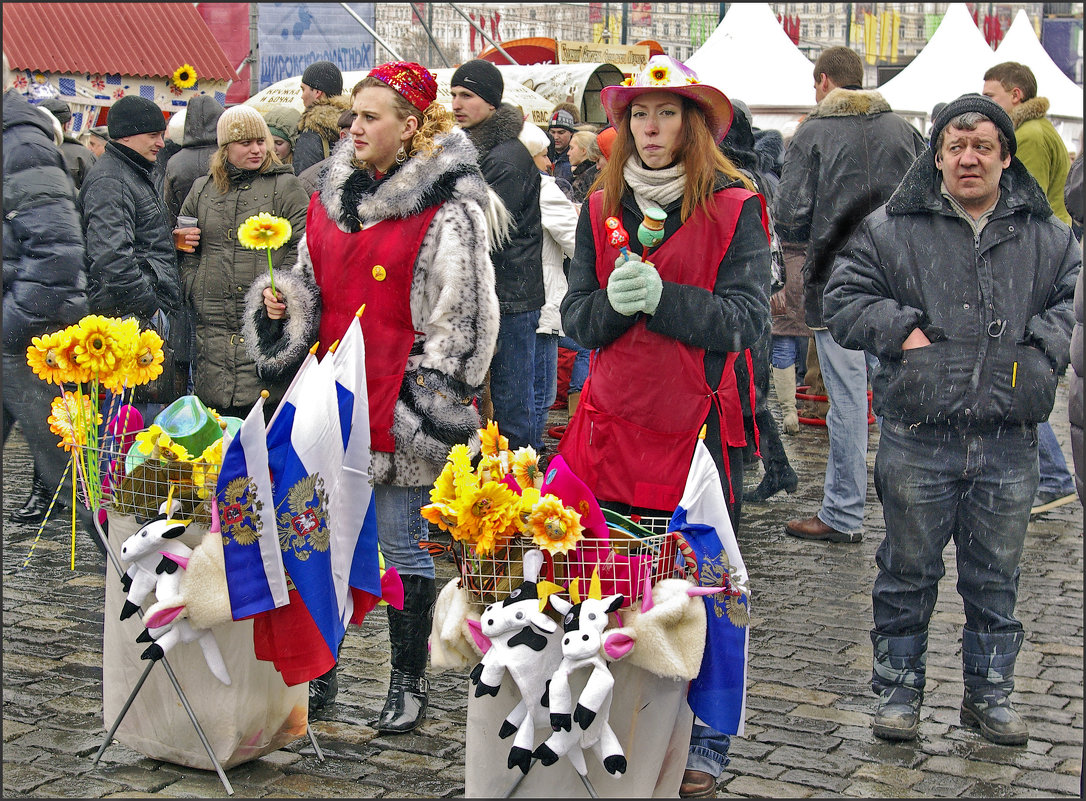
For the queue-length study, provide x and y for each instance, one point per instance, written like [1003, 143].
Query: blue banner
[294, 35]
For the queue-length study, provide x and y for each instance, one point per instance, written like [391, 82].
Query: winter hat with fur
[133, 115]
[325, 76]
[239, 123]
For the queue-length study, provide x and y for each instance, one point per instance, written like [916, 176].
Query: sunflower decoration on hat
[184, 77]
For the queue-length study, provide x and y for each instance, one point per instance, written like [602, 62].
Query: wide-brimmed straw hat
[665, 74]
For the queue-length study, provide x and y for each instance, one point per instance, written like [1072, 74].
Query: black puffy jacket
[844, 161]
[44, 280]
[511, 173]
[131, 262]
[997, 307]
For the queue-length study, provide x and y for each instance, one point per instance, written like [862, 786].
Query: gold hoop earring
[401, 155]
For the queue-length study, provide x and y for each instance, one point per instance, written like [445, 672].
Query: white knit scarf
[654, 187]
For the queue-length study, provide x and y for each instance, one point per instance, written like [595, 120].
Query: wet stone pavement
[809, 704]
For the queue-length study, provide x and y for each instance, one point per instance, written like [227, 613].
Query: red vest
[646, 398]
[373, 266]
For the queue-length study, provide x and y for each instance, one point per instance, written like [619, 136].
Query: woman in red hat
[403, 223]
[667, 321]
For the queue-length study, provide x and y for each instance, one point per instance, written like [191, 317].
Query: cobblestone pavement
[809, 704]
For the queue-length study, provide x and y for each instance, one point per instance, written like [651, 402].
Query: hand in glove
[634, 287]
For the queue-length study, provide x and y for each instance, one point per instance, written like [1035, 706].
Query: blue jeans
[708, 749]
[1055, 477]
[580, 365]
[512, 377]
[845, 490]
[788, 352]
[400, 526]
[546, 384]
[937, 483]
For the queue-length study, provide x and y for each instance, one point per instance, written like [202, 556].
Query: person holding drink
[244, 179]
[403, 222]
[667, 332]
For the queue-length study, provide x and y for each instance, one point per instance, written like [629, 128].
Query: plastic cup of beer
[183, 222]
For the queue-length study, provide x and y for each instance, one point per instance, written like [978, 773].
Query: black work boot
[988, 669]
[779, 474]
[408, 631]
[898, 714]
[898, 675]
[323, 690]
[37, 504]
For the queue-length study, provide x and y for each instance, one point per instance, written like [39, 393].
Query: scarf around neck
[654, 187]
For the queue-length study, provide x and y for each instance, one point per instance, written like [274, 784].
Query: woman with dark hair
[668, 332]
[402, 222]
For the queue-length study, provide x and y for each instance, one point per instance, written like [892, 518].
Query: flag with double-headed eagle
[253, 561]
[717, 695]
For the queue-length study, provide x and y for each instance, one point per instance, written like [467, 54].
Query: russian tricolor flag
[717, 695]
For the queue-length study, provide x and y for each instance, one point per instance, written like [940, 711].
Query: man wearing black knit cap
[318, 129]
[131, 262]
[962, 286]
[494, 128]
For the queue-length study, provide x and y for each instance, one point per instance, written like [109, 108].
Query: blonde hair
[587, 141]
[217, 168]
[433, 122]
[697, 151]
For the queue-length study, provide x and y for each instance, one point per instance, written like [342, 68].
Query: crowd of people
[482, 248]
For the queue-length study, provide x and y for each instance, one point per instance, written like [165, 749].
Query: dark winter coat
[844, 161]
[560, 166]
[511, 173]
[1073, 197]
[996, 307]
[77, 158]
[216, 277]
[45, 284]
[194, 158]
[131, 261]
[318, 132]
[584, 175]
[789, 322]
[170, 149]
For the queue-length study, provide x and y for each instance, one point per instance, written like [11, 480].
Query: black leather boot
[37, 504]
[323, 690]
[408, 631]
[779, 474]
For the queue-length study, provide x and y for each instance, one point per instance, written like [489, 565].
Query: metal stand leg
[173, 680]
[313, 739]
[584, 780]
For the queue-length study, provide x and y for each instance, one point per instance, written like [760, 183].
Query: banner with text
[294, 35]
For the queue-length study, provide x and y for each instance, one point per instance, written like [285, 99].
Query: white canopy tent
[749, 57]
[1065, 96]
[952, 63]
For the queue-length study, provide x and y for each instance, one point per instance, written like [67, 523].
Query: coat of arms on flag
[237, 515]
[303, 526]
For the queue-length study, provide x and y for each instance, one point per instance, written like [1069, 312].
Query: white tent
[1065, 96]
[952, 63]
[749, 57]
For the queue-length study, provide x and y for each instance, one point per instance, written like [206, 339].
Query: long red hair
[697, 151]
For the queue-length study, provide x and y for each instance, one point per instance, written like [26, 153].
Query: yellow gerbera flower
[485, 512]
[526, 467]
[156, 444]
[184, 77]
[264, 231]
[529, 497]
[149, 357]
[442, 515]
[492, 441]
[444, 489]
[48, 357]
[554, 527]
[69, 422]
[659, 75]
[97, 347]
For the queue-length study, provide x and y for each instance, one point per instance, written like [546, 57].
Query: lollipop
[617, 238]
[651, 231]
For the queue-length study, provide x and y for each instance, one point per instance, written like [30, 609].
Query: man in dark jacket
[193, 159]
[843, 162]
[131, 261]
[962, 286]
[318, 133]
[44, 283]
[562, 127]
[494, 128]
[78, 158]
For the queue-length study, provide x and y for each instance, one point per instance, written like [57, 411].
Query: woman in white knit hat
[245, 178]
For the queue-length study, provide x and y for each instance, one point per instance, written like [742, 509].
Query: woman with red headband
[402, 223]
[666, 334]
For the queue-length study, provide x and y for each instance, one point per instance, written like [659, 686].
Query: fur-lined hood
[501, 126]
[323, 117]
[851, 103]
[354, 199]
[1033, 109]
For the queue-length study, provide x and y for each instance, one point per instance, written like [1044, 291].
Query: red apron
[646, 397]
[373, 266]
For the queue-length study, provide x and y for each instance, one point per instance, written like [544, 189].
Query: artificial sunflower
[485, 512]
[529, 497]
[658, 76]
[70, 422]
[184, 77]
[526, 467]
[97, 345]
[492, 441]
[491, 468]
[149, 357]
[264, 231]
[554, 527]
[156, 444]
[442, 515]
[48, 357]
[205, 468]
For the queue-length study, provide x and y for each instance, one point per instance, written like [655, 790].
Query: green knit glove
[654, 286]
[626, 288]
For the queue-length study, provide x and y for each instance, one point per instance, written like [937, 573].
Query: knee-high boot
[988, 669]
[784, 381]
[408, 631]
[898, 676]
[779, 474]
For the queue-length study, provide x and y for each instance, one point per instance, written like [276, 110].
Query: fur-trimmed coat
[318, 132]
[453, 302]
[1043, 152]
[844, 161]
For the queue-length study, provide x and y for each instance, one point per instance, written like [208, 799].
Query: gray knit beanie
[324, 75]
